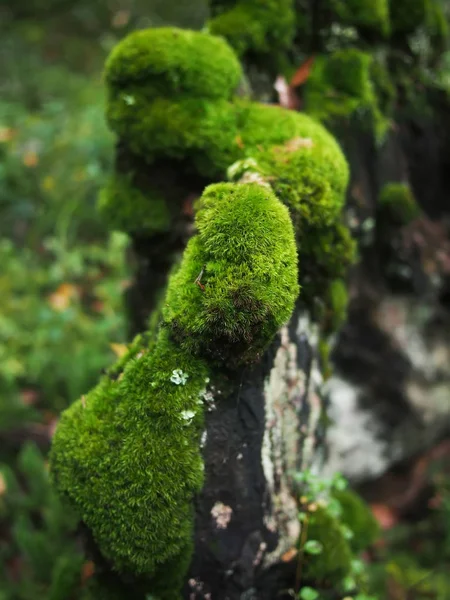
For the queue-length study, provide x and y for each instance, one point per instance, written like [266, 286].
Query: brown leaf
[302, 73]
[29, 396]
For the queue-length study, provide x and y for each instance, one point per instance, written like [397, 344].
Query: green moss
[202, 131]
[125, 208]
[340, 86]
[398, 204]
[257, 26]
[367, 15]
[170, 62]
[127, 457]
[334, 561]
[357, 516]
[338, 301]
[324, 255]
[245, 250]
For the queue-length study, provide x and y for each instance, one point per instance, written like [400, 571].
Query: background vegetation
[62, 280]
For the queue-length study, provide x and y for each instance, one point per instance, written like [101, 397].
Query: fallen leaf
[302, 73]
[121, 18]
[289, 555]
[3, 486]
[6, 134]
[29, 396]
[30, 159]
[119, 349]
[87, 571]
[386, 516]
[60, 299]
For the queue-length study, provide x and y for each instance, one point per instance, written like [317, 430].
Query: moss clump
[397, 204]
[126, 208]
[246, 255]
[340, 86]
[334, 561]
[171, 62]
[357, 516]
[325, 255]
[299, 159]
[367, 15]
[256, 26]
[127, 457]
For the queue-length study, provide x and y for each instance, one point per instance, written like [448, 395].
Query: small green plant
[336, 526]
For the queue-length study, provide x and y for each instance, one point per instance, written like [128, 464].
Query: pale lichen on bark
[293, 407]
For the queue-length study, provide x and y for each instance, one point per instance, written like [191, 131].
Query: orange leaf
[30, 159]
[87, 571]
[289, 555]
[386, 516]
[60, 299]
[302, 73]
[3, 486]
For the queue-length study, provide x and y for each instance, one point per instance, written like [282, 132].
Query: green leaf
[313, 547]
[308, 593]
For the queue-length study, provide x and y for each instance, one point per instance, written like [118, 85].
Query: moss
[334, 561]
[202, 131]
[367, 15]
[357, 516]
[397, 204]
[170, 62]
[257, 26]
[126, 208]
[325, 254]
[338, 301]
[245, 252]
[340, 86]
[127, 457]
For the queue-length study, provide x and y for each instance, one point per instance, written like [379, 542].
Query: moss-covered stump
[184, 453]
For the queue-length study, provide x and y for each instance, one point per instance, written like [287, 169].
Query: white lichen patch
[287, 392]
[187, 416]
[221, 513]
[178, 377]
